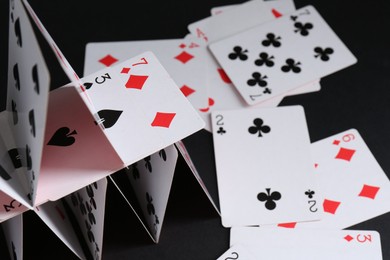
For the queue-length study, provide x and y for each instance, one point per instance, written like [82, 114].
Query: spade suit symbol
[109, 117]
[62, 137]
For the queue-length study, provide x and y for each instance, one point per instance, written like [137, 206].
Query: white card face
[27, 95]
[237, 252]
[141, 108]
[272, 58]
[222, 93]
[182, 58]
[232, 21]
[151, 179]
[308, 244]
[278, 6]
[13, 232]
[354, 186]
[88, 206]
[258, 153]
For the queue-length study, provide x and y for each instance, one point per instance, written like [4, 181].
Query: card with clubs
[280, 55]
[258, 154]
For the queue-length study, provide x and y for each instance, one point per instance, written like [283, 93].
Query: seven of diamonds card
[281, 55]
[265, 173]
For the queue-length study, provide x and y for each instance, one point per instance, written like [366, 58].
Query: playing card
[258, 154]
[231, 22]
[88, 206]
[277, 7]
[280, 55]
[309, 243]
[13, 232]
[141, 109]
[78, 219]
[151, 180]
[354, 186]
[182, 58]
[10, 167]
[27, 92]
[237, 252]
[223, 95]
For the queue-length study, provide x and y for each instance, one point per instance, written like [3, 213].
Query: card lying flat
[354, 186]
[259, 154]
[231, 22]
[281, 55]
[318, 244]
[237, 252]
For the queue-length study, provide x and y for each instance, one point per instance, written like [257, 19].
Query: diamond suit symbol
[348, 238]
[108, 60]
[369, 191]
[186, 90]
[136, 81]
[184, 57]
[345, 154]
[330, 206]
[162, 119]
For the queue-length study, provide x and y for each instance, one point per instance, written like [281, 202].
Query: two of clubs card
[271, 178]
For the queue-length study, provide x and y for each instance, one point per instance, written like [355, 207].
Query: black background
[356, 97]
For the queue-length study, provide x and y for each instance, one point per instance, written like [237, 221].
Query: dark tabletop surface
[356, 97]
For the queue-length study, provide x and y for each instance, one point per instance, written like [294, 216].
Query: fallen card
[232, 21]
[258, 154]
[237, 252]
[308, 244]
[182, 58]
[277, 7]
[354, 186]
[281, 55]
